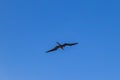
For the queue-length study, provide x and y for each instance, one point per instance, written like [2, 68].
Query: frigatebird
[61, 46]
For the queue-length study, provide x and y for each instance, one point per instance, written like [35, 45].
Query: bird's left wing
[53, 49]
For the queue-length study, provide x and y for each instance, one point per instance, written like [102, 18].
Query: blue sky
[30, 27]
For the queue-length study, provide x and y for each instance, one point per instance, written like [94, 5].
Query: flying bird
[61, 46]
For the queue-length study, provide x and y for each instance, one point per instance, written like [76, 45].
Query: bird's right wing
[69, 44]
[53, 49]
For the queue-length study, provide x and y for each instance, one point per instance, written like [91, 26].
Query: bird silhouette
[61, 46]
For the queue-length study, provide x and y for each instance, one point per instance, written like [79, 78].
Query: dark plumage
[61, 46]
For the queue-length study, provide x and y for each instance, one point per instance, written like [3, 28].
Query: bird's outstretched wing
[69, 44]
[53, 49]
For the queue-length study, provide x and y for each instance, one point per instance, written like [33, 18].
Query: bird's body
[62, 46]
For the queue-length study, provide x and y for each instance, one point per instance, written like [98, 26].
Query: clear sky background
[28, 28]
